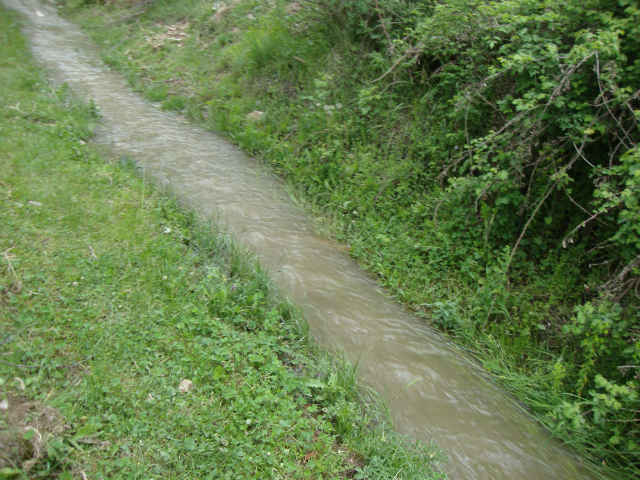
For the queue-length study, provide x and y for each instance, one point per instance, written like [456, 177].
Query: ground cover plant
[137, 341]
[480, 158]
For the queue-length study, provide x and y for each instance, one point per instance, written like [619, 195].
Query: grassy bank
[137, 340]
[480, 159]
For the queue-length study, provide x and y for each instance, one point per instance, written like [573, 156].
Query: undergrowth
[137, 340]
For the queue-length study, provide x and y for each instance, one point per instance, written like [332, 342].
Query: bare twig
[613, 283]
[561, 86]
[582, 225]
[606, 105]
[629, 284]
[412, 51]
[485, 141]
[582, 208]
[438, 70]
[582, 155]
[613, 154]
[599, 246]
[546, 195]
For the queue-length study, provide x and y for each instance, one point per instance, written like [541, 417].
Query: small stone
[185, 385]
[255, 116]
[37, 204]
[4, 405]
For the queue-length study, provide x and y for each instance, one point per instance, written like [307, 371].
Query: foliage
[601, 333]
[554, 83]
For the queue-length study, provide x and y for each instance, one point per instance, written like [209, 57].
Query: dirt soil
[18, 447]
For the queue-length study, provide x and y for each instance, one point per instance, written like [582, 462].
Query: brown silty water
[486, 435]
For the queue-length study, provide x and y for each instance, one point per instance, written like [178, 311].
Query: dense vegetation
[480, 157]
[137, 341]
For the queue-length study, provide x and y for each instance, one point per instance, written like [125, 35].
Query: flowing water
[486, 435]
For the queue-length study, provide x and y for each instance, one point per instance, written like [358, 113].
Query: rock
[255, 116]
[185, 385]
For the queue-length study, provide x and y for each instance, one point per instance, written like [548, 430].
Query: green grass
[362, 168]
[365, 168]
[112, 294]
[368, 170]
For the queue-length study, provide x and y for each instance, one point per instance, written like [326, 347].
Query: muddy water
[485, 433]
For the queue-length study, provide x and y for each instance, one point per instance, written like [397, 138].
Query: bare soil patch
[25, 428]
